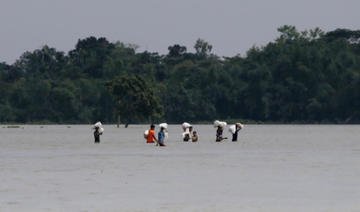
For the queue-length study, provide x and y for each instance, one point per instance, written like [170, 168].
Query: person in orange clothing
[151, 135]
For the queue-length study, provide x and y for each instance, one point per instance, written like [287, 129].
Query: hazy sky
[231, 26]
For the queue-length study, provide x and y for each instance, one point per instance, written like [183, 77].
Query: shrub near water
[13, 126]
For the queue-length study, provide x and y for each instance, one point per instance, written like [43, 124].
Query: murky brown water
[271, 168]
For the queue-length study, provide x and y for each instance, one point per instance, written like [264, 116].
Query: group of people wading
[188, 134]
[149, 135]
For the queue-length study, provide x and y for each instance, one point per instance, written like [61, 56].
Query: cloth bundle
[99, 125]
[221, 124]
[232, 128]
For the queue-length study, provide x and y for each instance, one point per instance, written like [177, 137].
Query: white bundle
[186, 125]
[99, 125]
[240, 125]
[146, 133]
[232, 129]
[164, 125]
[221, 124]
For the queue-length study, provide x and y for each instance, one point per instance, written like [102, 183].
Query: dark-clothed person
[97, 135]
[237, 129]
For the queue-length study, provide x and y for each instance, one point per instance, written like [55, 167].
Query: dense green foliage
[308, 76]
[134, 99]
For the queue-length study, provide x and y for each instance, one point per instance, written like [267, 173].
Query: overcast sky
[231, 26]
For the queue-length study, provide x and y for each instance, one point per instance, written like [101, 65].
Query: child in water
[97, 134]
[161, 137]
[194, 137]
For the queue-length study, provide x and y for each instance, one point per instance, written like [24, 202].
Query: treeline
[309, 76]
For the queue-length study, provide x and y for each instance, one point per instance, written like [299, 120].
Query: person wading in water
[151, 135]
[161, 137]
[97, 134]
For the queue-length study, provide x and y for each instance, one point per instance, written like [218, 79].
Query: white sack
[232, 129]
[186, 125]
[97, 124]
[218, 123]
[241, 125]
[223, 124]
[146, 133]
[164, 125]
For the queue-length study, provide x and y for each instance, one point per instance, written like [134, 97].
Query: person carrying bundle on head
[220, 128]
[187, 131]
[161, 137]
[97, 134]
[98, 131]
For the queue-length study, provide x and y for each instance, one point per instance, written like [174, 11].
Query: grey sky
[231, 26]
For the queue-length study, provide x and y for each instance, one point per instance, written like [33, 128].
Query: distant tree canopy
[134, 99]
[306, 76]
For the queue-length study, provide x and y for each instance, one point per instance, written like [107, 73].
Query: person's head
[194, 133]
[96, 128]
[152, 126]
[238, 126]
[190, 128]
[162, 128]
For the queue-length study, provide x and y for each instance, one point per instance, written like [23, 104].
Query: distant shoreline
[232, 121]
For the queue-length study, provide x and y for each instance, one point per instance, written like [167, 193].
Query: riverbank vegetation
[303, 77]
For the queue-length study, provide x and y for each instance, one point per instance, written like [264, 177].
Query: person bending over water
[97, 134]
[237, 129]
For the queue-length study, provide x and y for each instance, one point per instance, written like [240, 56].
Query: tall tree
[134, 99]
[202, 48]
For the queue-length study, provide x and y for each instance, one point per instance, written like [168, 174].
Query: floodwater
[270, 168]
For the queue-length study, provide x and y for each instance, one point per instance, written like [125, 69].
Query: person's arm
[156, 140]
